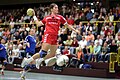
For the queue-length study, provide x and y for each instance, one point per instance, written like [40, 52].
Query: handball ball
[30, 12]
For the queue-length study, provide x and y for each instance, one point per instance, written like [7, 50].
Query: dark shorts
[29, 54]
[2, 60]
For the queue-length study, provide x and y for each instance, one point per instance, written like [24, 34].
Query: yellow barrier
[114, 22]
[114, 57]
[118, 58]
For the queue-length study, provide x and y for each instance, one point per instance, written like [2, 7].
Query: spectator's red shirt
[52, 24]
[106, 31]
[65, 52]
[75, 44]
[70, 21]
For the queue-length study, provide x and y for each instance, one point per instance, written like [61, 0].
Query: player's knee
[27, 67]
[5, 63]
[32, 66]
[43, 53]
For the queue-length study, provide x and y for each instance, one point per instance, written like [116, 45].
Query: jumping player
[3, 55]
[52, 23]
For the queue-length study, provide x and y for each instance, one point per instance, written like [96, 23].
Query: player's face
[32, 32]
[55, 9]
[2, 41]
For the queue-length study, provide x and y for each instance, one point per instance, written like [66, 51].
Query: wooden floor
[13, 75]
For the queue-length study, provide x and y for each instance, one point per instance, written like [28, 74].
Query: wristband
[35, 18]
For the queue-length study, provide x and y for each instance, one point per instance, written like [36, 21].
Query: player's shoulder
[28, 36]
[59, 15]
[47, 16]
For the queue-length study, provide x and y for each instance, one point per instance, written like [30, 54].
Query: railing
[114, 22]
[114, 57]
[96, 22]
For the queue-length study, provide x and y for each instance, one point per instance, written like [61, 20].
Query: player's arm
[1, 48]
[39, 23]
[71, 27]
[26, 42]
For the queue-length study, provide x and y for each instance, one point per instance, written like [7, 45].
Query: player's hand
[33, 13]
[77, 31]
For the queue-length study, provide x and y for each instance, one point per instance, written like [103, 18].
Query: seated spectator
[105, 50]
[90, 51]
[15, 54]
[89, 15]
[66, 51]
[113, 49]
[94, 19]
[97, 52]
[69, 41]
[79, 53]
[86, 54]
[99, 40]
[73, 45]
[107, 30]
[82, 43]
[70, 20]
[90, 37]
[60, 44]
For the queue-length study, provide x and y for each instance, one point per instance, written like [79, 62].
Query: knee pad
[32, 66]
[5, 63]
[43, 53]
[27, 67]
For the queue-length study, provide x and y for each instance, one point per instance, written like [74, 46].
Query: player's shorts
[29, 54]
[2, 59]
[50, 38]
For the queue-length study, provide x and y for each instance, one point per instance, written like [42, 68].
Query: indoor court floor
[12, 75]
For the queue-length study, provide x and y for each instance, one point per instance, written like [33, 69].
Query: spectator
[97, 52]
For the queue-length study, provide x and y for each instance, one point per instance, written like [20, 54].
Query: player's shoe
[24, 62]
[50, 61]
[22, 77]
[38, 62]
[2, 72]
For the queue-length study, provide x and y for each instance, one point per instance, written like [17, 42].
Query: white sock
[2, 70]
[30, 59]
[23, 73]
[41, 59]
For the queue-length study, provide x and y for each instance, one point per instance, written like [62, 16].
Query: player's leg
[4, 63]
[50, 61]
[26, 69]
[51, 56]
[45, 47]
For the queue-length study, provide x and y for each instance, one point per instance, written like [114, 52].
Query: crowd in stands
[95, 41]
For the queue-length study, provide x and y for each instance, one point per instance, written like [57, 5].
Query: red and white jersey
[52, 24]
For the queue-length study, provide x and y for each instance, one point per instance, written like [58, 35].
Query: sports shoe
[2, 72]
[38, 62]
[22, 77]
[50, 61]
[24, 62]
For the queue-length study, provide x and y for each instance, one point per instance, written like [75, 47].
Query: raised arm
[39, 23]
[71, 28]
